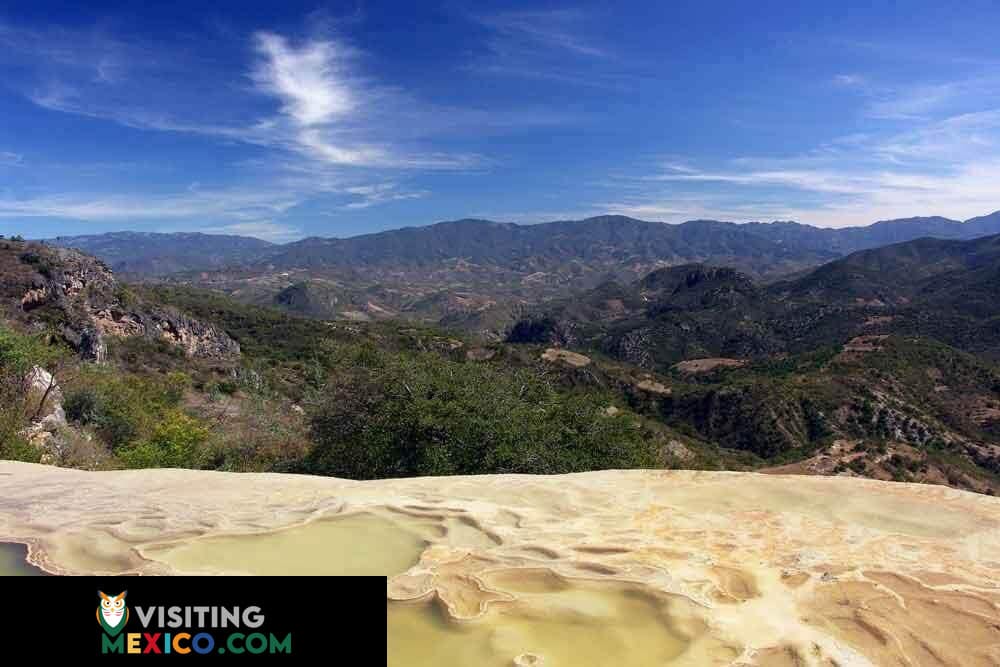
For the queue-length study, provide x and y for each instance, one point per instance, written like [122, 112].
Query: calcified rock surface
[755, 569]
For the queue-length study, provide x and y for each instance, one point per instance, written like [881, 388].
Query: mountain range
[154, 254]
[591, 249]
[851, 239]
[940, 288]
[479, 275]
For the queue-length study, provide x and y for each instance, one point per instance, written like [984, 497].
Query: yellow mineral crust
[667, 567]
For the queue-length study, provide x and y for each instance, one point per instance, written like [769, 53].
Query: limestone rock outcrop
[43, 406]
[43, 396]
[81, 296]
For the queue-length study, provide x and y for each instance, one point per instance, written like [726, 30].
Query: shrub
[18, 353]
[174, 386]
[136, 417]
[40, 263]
[81, 450]
[420, 414]
[176, 442]
[82, 405]
[227, 387]
[109, 409]
[122, 408]
[12, 446]
[263, 436]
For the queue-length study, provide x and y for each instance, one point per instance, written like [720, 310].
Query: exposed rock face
[44, 398]
[677, 449]
[92, 345]
[196, 338]
[651, 386]
[480, 354]
[708, 365]
[34, 298]
[571, 359]
[118, 323]
[43, 406]
[83, 296]
[754, 569]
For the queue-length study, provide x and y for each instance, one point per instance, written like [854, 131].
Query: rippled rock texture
[686, 568]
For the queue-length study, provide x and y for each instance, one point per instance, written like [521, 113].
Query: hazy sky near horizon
[291, 119]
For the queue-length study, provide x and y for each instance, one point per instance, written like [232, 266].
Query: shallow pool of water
[13, 562]
[359, 544]
[578, 625]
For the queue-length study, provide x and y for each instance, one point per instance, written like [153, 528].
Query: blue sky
[296, 119]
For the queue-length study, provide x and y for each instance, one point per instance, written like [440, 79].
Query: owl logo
[112, 613]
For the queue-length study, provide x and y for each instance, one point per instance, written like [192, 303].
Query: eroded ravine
[691, 568]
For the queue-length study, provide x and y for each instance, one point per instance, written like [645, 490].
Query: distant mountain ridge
[851, 239]
[150, 253]
[944, 289]
[603, 246]
[608, 244]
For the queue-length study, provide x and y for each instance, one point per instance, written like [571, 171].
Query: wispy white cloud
[560, 29]
[313, 142]
[313, 80]
[370, 195]
[239, 210]
[818, 180]
[948, 52]
[948, 167]
[679, 168]
[966, 193]
[94, 54]
[849, 80]
[557, 45]
[953, 139]
[68, 98]
[236, 204]
[326, 132]
[329, 109]
[913, 103]
[923, 101]
[309, 97]
[269, 231]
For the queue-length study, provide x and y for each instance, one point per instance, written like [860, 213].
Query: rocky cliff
[615, 567]
[79, 297]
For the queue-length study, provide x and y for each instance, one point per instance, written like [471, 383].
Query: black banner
[237, 619]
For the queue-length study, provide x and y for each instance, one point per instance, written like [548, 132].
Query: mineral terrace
[613, 567]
